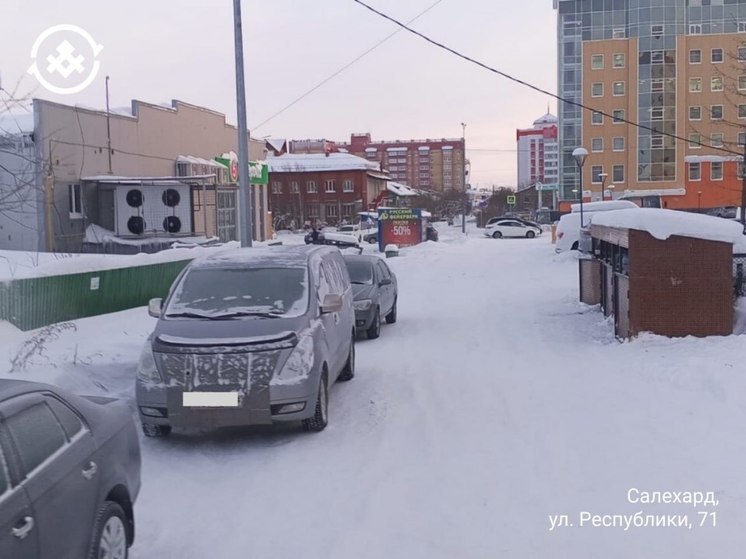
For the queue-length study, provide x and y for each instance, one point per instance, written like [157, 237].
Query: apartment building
[537, 152]
[675, 67]
[438, 165]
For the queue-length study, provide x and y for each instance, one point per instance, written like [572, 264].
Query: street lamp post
[603, 177]
[579, 154]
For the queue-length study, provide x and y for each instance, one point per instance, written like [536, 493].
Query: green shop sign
[258, 170]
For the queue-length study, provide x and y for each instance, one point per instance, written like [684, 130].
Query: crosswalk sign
[511, 200]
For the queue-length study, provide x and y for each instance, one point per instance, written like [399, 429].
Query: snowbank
[662, 224]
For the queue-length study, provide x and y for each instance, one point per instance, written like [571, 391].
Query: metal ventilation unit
[151, 209]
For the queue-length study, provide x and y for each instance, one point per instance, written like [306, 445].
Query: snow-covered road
[495, 401]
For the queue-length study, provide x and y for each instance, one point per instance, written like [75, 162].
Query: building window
[597, 90]
[656, 86]
[330, 185]
[742, 26]
[75, 200]
[617, 173]
[597, 144]
[618, 116]
[618, 144]
[331, 210]
[348, 186]
[695, 141]
[597, 62]
[619, 60]
[596, 171]
[741, 83]
[312, 211]
[716, 112]
[656, 30]
[311, 187]
[347, 210]
[695, 29]
[618, 88]
[656, 141]
[716, 83]
[619, 33]
[717, 56]
[717, 139]
[597, 118]
[741, 111]
[276, 187]
[695, 113]
[742, 138]
[656, 113]
[742, 54]
[695, 85]
[656, 57]
[695, 172]
[716, 170]
[294, 188]
[695, 56]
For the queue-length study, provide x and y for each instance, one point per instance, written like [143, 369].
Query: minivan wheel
[530, 234]
[109, 533]
[375, 328]
[348, 373]
[152, 430]
[391, 317]
[320, 418]
[496, 235]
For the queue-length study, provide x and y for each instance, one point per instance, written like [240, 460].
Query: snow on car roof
[662, 224]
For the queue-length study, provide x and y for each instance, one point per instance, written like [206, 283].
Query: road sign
[511, 200]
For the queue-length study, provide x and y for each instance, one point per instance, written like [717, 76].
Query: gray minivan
[247, 337]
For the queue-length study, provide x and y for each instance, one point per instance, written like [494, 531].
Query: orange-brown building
[679, 72]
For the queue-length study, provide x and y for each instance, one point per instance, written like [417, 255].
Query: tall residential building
[538, 152]
[676, 67]
[438, 165]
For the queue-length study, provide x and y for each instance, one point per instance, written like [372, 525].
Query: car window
[325, 287]
[36, 433]
[68, 418]
[361, 272]
[383, 271]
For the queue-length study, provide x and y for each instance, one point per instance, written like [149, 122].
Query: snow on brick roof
[299, 163]
[400, 189]
[662, 224]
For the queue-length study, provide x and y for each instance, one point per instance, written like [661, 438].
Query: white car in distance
[511, 228]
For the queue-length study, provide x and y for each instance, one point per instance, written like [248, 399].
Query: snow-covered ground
[495, 401]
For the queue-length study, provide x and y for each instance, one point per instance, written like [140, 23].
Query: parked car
[494, 220]
[352, 229]
[340, 240]
[249, 336]
[568, 228]
[376, 292]
[511, 228]
[69, 473]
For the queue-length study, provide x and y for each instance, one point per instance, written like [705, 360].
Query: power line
[534, 87]
[342, 69]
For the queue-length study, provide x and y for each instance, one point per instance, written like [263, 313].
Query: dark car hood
[360, 291]
[182, 331]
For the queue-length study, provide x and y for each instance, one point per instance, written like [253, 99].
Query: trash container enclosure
[665, 271]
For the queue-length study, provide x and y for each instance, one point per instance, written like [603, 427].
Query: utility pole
[108, 125]
[463, 202]
[244, 188]
[743, 189]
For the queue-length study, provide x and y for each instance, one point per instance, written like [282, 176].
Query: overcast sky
[158, 50]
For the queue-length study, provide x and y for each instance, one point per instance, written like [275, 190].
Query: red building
[330, 187]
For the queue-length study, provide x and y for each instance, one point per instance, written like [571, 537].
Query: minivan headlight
[299, 365]
[146, 368]
[362, 305]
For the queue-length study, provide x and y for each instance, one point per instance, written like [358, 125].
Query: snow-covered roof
[301, 162]
[662, 224]
[200, 161]
[548, 118]
[277, 143]
[654, 192]
[711, 158]
[400, 189]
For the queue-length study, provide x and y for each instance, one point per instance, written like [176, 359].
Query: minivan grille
[236, 371]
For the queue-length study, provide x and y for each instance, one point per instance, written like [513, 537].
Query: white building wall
[21, 196]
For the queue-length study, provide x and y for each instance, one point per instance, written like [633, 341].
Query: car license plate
[210, 399]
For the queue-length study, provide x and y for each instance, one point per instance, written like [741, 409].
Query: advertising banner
[399, 226]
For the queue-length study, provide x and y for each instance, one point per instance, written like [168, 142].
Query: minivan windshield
[360, 272]
[230, 292]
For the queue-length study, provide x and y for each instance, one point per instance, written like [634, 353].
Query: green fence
[36, 302]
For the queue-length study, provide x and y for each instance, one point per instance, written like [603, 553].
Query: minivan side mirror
[154, 307]
[331, 303]
[385, 281]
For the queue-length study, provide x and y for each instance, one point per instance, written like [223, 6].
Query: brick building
[326, 187]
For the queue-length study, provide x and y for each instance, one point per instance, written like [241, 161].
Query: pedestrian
[314, 236]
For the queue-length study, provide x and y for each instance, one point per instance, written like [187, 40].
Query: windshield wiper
[187, 315]
[238, 314]
[353, 282]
